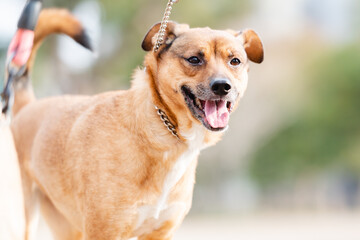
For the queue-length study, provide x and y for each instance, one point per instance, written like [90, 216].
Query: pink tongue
[216, 114]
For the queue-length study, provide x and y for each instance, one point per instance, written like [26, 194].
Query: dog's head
[199, 73]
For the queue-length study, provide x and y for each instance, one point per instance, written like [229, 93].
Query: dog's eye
[235, 61]
[194, 60]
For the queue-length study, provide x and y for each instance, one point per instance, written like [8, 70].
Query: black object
[30, 15]
[6, 95]
[220, 87]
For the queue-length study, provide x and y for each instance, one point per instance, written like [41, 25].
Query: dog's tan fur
[105, 166]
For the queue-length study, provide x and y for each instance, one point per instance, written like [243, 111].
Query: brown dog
[106, 167]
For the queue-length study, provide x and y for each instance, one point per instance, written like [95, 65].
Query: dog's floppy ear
[172, 30]
[253, 45]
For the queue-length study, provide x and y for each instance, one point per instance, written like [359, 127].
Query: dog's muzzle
[214, 110]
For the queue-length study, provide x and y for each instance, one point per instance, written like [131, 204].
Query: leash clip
[7, 95]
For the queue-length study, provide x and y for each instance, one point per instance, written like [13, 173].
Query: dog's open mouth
[213, 114]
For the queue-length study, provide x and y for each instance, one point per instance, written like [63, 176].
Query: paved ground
[342, 226]
[288, 226]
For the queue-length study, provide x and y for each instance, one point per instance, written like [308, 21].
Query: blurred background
[289, 166]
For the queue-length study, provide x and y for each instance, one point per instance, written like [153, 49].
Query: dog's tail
[50, 21]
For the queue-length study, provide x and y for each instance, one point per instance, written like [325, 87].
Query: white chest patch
[155, 215]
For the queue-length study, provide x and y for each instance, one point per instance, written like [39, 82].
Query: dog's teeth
[202, 105]
[229, 106]
[198, 103]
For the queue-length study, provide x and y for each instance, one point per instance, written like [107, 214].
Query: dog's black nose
[220, 87]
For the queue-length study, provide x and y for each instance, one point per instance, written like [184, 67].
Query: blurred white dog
[12, 218]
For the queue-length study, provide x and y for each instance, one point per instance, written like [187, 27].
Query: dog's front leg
[106, 223]
[111, 231]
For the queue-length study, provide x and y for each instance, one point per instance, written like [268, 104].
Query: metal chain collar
[164, 118]
[163, 26]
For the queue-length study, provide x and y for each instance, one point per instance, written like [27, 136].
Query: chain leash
[163, 26]
[160, 40]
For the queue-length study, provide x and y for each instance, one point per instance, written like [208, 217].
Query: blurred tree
[135, 17]
[326, 133]
[128, 21]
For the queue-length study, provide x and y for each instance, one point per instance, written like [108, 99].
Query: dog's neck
[159, 103]
[145, 79]
[148, 119]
